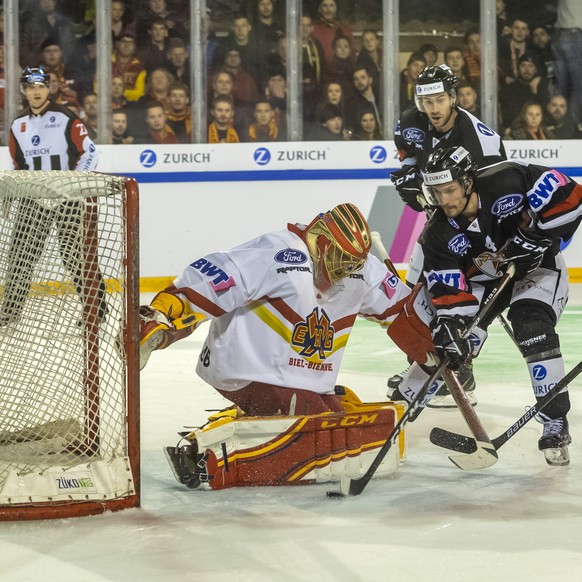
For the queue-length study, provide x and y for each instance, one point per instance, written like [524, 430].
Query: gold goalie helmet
[339, 242]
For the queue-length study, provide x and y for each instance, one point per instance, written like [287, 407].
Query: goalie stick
[465, 444]
[356, 486]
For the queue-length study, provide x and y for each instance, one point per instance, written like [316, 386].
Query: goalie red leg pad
[251, 451]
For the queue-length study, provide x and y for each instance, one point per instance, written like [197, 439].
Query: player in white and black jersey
[45, 136]
[483, 220]
[437, 122]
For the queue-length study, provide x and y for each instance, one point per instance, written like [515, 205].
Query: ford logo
[291, 256]
[413, 134]
[459, 244]
[507, 204]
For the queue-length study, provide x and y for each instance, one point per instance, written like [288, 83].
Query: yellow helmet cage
[339, 242]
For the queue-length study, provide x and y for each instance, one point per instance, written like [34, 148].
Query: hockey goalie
[282, 307]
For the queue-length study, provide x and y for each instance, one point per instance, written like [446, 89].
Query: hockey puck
[335, 494]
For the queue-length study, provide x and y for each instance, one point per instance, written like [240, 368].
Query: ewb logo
[148, 158]
[262, 156]
[378, 154]
[539, 372]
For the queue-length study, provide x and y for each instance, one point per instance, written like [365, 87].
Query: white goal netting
[65, 265]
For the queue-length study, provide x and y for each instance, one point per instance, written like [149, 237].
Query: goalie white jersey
[270, 324]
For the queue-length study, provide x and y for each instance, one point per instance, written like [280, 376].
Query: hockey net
[69, 292]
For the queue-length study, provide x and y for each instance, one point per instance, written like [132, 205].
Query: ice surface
[519, 520]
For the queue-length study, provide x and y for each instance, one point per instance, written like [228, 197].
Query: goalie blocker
[234, 449]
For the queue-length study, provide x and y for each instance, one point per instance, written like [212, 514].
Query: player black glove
[526, 249]
[409, 186]
[447, 334]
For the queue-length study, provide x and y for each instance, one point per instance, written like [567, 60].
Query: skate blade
[172, 455]
[558, 457]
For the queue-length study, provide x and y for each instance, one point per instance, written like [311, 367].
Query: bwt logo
[378, 154]
[148, 158]
[262, 156]
[539, 372]
[35, 140]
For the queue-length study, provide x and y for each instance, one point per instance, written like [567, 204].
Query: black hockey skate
[188, 466]
[555, 440]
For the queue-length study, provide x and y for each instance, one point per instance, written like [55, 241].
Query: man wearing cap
[430, 54]
[127, 66]
[51, 60]
[331, 124]
[529, 86]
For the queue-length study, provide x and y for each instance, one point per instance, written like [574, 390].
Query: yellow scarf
[231, 135]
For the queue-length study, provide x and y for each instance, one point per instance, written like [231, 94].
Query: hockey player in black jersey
[437, 122]
[483, 220]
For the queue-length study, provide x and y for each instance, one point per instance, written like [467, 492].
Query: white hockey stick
[382, 252]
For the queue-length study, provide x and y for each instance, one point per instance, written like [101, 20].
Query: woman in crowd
[529, 123]
[367, 128]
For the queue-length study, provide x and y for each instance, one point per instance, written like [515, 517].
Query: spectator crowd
[539, 97]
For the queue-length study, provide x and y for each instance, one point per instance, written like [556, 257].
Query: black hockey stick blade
[453, 441]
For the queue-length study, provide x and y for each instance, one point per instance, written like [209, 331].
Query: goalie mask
[339, 242]
[434, 80]
[447, 165]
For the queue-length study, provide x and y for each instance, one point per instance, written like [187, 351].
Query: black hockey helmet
[447, 165]
[436, 79]
[34, 76]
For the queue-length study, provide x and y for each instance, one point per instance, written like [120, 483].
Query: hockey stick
[383, 253]
[464, 444]
[484, 454]
[351, 487]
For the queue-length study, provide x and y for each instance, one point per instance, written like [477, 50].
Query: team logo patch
[506, 205]
[291, 256]
[413, 134]
[487, 131]
[488, 264]
[390, 284]
[459, 244]
[314, 335]
[23, 127]
[220, 281]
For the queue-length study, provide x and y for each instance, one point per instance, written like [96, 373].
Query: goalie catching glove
[447, 334]
[408, 184]
[526, 250]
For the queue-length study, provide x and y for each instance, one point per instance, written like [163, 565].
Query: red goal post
[69, 373]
